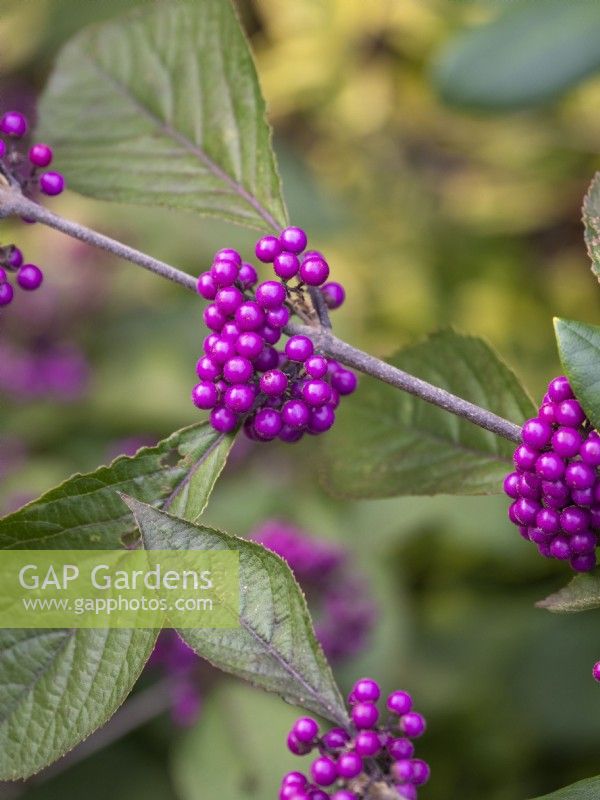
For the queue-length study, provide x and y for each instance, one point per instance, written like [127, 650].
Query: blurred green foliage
[431, 216]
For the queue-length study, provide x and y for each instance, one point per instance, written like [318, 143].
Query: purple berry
[400, 749]
[29, 277]
[316, 392]
[344, 381]
[559, 548]
[566, 442]
[402, 771]
[228, 300]
[294, 779]
[584, 562]
[209, 343]
[238, 370]
[205, 395]
[269, 334]
[548, 520]
[249, 344]
[511, 485]
[321, 420]
[526, 510]
[286, 265]
[596, 671]
[224, 273]
[278, 317]
[574, 519]
[525, 457]
[579, 475]
[267, 359]
[536, 433]
[299, 348]
[334, 295]
[583, 497]
[223, 419]
[207, 369]
[206, 286]
[52, 183]
[240, 397]
[590, 451]
[420, 772]
[413, 724]
[546, 413]
[314, 271]
[296, 414]
[230, 331]
[6, 294]
[273, 383]
[549, 466]
[316, 366]
[228, 254]
[15, 258]
[365, 715]
[297, 747]
[250, 316]
[324, 771]
[349, 765]
[267, 248]
[293, 239]
[222, 350]
[559, 389]
[14, 124]
[270, 294]
[584, 542]
[367, 743]
[536, 535]
[366, 690]
[247, 275]
[399, 703]
[344, 794]
[335, 738]
[40, 155]
[213, 318]
[267, 423]
[569, 413]
[305, 729]
[530, 485]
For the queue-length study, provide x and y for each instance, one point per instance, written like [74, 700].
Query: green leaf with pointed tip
[163, 107]
[579, 350]
[387, 442]
[275, 647]
[582, 593]
[591, 223]
[530, 54]
[57, 686]
[223, 757]
[588, 789]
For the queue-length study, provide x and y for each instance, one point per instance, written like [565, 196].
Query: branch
[12, 202]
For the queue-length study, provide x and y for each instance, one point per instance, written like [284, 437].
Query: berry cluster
[277, 394]
[337, 594]
[364, 762]
[24, 170]
[556, 487]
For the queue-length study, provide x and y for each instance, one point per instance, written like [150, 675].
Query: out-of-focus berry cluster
[556, 487]
[338, 596]
[372, 758]
[243, 377]
[24, 169]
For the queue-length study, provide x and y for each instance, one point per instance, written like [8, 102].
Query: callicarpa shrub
[128, 112]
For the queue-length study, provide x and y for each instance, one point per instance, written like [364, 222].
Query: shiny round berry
[295, 746]
[420, 772]
[546, 413]
[335, 738]
[366, 690]
[267, 423]
[579, 475]
[52, 183]
[566, 442]
[222, 350]
[549, 466]
[314, 271]
[213, 318]
[402, 770]
[247, 275]
[305, 729]
[590, 451]
[289, 435]
[273, 383]
[223, 419]
[584, 562]
[205, 395]
[267, 359]
[267, 248]
[559, 548]
[365, 715]
[334, 295]
[344, 381]
[548, 519]
[299, 348]
[230, 331]
[293, 239]
[400, 749]
[249, 316]
[399, 703]
[207, 369]
[6, 294]
[367, 743]
[278, 317]
[270, 294]
[583, 497]
[229, 299]
[413, 724]
[270, 335]
[559, 389]
[294, 779]
[206, 286]
[238, 370]
[511, 485]
[536, 433]
[530, 485]
[574, 519]
[249, 344]
[525, 457]
[296, 414]
[209, 343]
[239, 397]
[30, 277]
[321, 420]
[15, 258]
[40, 155]
[228, 254]
[349, 765]
[316, 392]
[584, 542]
[286, 265]
[569, 413]
[14, 124]
[324, 771]
[224, 273]
[526, 510]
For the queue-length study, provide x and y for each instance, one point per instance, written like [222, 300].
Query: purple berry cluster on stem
[24, 170]
[276, 394]
[371, 757]
[556, 486]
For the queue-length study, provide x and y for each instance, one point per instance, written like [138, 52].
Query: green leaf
[223, 757]
[583, 790]
[579, 350]
[582, 593]
[591, 223]
[275, 647]
[57, 686]
[530, 54]
[388, 443]
[163, 107]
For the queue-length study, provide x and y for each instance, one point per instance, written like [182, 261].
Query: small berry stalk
[372, 759]
[556, 486]
[276, 394]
